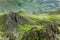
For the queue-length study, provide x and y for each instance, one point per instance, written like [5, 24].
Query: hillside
[29, 19]
[20, 24]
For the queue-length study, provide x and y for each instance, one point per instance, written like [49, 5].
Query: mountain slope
[28, 5]
[9, 5]
[23, 22]
[11, 21]
[39, 5]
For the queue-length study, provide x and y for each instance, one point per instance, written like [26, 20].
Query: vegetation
[28, 22]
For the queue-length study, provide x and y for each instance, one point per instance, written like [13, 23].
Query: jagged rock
[10, 21]
[13, 19]
[9, 36]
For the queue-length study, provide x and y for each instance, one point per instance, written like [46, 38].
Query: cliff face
[12, 20]
[9, 23]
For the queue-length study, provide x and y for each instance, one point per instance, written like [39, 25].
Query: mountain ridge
[39, 5]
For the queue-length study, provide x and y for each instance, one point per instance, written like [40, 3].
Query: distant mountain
[28, 5]
[38, 5]
[9, 5]
[53, 11]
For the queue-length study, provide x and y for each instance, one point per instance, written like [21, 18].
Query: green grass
[21, 29]
[2, 14]
[26, 27]
[34, 18]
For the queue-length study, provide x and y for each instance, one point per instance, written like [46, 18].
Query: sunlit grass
[2, 14]
[26, 27]
[22, 29]
[33, 18]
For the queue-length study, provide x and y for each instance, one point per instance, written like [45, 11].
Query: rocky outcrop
[13, 20]
[10, 23]
[10, 36]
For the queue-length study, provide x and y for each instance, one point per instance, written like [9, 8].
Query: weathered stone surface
[13, 19]
[9, 36]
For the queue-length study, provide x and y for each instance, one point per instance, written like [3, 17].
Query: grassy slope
[33, 18]
[2, 14]
[36, 17]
